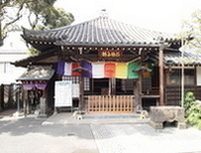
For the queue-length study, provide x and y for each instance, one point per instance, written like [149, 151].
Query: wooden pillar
[161, 75]
[43, 104]
[112, 86]
[81, 101]
[138, 95]
[25, 101]
[10, 96]
[1, 97]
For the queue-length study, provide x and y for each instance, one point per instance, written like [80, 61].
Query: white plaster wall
[14, 49]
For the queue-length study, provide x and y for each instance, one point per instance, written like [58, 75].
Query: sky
[160, 15]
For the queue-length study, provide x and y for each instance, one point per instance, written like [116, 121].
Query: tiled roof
[175, 58]
[101, 31]
[37, 73]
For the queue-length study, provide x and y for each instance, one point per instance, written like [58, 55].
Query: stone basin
[162, 114]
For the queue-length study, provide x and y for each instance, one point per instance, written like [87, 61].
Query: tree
[10, 12]
[49, 19]
[41, 14]
[45, 16]
[57, 17]
[191, 30]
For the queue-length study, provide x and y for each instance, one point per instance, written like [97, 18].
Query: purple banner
[88, 67]
[38, 85]
[60, 67]
[28, 86]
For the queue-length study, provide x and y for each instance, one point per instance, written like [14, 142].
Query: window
[75, 80]
[6, 67]
[174, 77]
[127, 84]
[189, 77]
[86, 84]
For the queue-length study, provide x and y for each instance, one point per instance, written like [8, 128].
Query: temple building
[105, 66]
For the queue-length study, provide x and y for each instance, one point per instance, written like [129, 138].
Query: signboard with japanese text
[110, 53]
[63, 94]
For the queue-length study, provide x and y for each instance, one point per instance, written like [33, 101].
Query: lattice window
[86, 84]
[174, 77]
[75, 80]
[127, 84]
[146, 85]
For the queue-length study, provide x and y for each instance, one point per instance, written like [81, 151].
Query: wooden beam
[161, 75]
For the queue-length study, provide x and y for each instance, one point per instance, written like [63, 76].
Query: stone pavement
[95, 133]
[141, 138]
[27, 135]
[68, 118]
[130, 134]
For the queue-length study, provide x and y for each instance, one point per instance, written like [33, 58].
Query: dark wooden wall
[173, 94]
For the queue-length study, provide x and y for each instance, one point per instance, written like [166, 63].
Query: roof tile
[100, 31]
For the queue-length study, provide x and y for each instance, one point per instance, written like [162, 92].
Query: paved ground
[27, 135]
[61, 133]
[141, 138]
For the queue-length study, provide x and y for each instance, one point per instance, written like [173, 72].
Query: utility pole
[182, 72]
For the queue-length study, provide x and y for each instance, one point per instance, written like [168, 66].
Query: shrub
[192, 110]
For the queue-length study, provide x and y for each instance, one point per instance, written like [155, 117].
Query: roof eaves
[134, 44]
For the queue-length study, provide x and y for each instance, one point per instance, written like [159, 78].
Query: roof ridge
[59, 28]
[85, 22]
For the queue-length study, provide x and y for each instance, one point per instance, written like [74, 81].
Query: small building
[113, 67]
[12, 50]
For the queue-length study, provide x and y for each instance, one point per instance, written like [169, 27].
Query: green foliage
[189, 100]
[10, 13]
[191, 30]
[192, 110]
[41, 14]
[57, 18]
[194, 116]
[33, 51]
[44, 15]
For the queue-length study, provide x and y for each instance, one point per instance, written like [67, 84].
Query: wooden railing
[110, 104]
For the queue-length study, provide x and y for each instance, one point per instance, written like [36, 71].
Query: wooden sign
[110, 53]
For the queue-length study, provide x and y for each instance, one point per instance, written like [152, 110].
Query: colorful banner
[100, 70]
[121, 70]
[88, 67]
[109, 70]
[74, 66]
[60, 67]
[131, 70]
[67, 68]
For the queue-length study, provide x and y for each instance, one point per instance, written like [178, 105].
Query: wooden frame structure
[104, 40]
